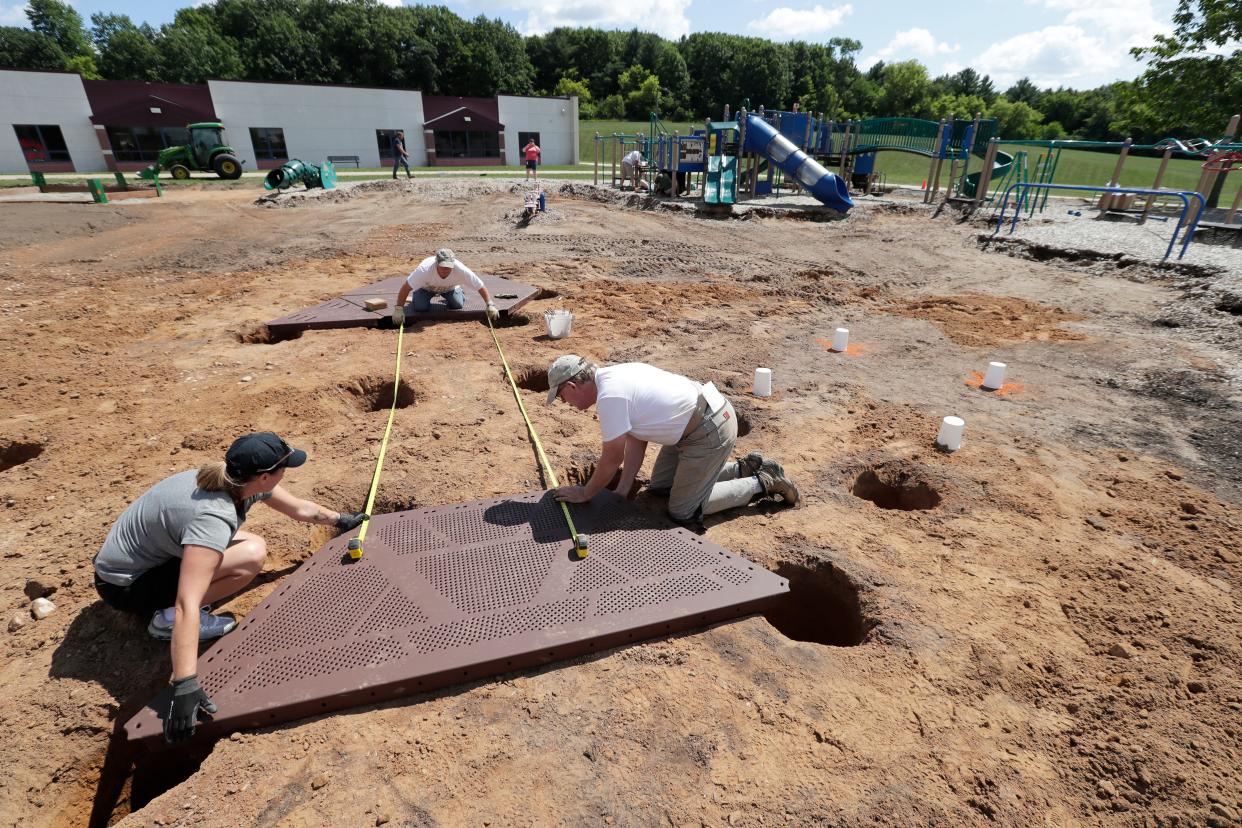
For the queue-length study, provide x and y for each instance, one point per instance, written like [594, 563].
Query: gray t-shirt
[167, 517]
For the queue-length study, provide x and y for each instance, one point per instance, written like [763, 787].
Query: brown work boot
[750, 465]
[772, 478]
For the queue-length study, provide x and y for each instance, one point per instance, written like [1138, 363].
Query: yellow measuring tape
[580, 543]
[355, 544]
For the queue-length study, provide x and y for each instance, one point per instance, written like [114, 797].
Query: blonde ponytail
[214, 477]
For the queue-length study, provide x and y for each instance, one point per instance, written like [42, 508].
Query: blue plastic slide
[763, 139]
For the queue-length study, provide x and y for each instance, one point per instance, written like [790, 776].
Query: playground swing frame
[1184, 195]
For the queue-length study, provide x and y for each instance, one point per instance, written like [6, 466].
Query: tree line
[1187, 89]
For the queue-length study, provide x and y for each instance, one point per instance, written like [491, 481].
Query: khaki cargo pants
[696, 471]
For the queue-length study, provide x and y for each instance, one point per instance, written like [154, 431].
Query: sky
[1076, 43]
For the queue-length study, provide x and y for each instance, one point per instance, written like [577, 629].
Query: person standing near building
[533, 156]
[399, 155]
[694, 424]
[441, 275]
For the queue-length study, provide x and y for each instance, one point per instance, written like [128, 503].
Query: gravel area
[1148, 242]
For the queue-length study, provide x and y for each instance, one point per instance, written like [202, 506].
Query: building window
[42, 143]
[269, 143]
[467, 144]
[144, 143]
[383, 138]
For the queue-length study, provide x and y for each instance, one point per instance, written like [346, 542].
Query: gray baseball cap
[445, 258]
[562, 371]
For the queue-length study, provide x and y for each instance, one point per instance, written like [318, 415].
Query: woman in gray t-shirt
[179, 547]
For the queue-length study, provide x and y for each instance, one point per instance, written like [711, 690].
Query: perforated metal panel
[348, 311]
[455, 593]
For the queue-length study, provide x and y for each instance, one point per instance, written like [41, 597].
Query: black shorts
[530, 165]
[153, 590]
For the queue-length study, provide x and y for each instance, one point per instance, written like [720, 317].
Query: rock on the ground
[36, 588]
[17, 622]
[1120, 650]
[41, 608]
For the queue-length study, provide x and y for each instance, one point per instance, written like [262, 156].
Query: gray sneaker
[209, 626]
[750, 465]
[772, 477]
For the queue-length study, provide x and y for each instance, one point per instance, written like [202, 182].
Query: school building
[60, 122]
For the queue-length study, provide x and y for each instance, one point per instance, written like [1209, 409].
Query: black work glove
[188, 698]
[346, 521]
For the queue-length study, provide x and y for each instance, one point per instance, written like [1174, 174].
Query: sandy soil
[1040, 629]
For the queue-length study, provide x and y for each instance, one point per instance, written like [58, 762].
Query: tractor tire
[227, 167]
[179, 172]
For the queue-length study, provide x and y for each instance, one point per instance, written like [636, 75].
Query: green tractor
[207, 151]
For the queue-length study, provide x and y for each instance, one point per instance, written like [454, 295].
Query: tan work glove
[492, 313]
[398, 316]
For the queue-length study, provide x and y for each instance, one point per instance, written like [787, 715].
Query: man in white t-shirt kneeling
[695, 426]
[441, 275]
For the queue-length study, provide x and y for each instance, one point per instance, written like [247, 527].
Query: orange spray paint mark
[975, 380]
[852, 349]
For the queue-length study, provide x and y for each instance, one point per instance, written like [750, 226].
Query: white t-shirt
[425, 276]
[652, 404]
[633, 158]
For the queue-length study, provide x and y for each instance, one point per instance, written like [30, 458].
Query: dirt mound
[980, 319]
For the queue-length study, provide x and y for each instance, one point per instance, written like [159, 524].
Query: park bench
[344, 159]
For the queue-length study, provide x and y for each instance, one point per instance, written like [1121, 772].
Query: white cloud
[13, 15]
[1088, 47]
[664, 17]
[787, 24]
[911, 43]
[393, 3]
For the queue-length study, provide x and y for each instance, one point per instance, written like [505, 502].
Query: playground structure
[758, 154]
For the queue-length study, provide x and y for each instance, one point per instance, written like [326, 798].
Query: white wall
[319, 120]
[47, 98]
[555, 119]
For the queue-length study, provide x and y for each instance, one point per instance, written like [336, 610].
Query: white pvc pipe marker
[841, 339]
[995, 377]
[950, 437]
[763, 382]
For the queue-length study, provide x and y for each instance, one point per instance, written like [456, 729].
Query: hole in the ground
[743, 424]
[547, 293]
[512, 320]
[579, 475]
[375, 393]
[386, 504]
[15, 452]
[822, 606]
[895, 490]
[531, 378]
[258, 333]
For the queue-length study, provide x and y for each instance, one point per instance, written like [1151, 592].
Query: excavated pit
[375, 393]
[822, 607]
[16, 452]
[260, 334]
[895, 489]
[531, 378]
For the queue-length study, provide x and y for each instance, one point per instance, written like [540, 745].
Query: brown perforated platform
[455, 593]
[349, 311]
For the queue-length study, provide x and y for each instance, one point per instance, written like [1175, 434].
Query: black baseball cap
[258, 453]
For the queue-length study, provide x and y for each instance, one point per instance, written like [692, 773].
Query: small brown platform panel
[455, 593]
[348, 311]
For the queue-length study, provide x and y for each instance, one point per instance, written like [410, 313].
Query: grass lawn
[1075, 167]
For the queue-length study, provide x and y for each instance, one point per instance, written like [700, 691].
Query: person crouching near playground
[441, 275]
[632, 170]
[694, 424]
[179, 547]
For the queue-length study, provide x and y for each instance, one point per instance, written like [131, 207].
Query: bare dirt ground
[1040, 629]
